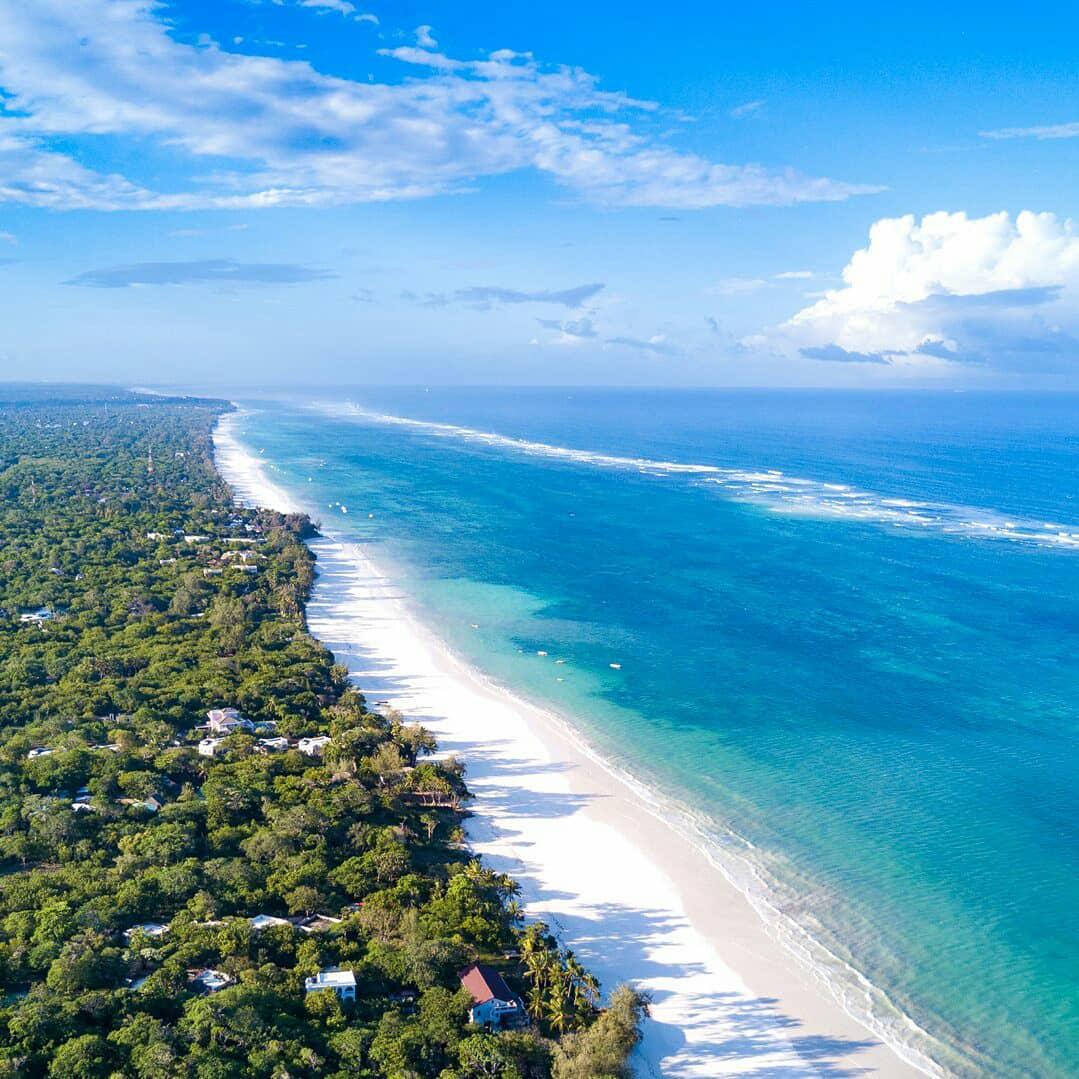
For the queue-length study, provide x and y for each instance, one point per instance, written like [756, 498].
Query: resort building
[494, 1005]
[227, 721]
[39, 751]
[37, 618]
[341, 982]
[317, 923]
[207, 980]
[272, 745]
[313, 747]
[264, 921]
[210, 747]
[153, 930]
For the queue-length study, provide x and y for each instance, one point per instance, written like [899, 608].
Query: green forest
[166, 889]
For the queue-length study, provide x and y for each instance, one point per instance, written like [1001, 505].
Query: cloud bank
[952, 289]
[260, 131]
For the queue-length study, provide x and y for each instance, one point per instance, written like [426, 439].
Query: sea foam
[769, 488]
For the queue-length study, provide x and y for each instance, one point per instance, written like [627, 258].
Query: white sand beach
[633, 898]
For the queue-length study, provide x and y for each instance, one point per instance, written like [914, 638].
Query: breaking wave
[769, 488]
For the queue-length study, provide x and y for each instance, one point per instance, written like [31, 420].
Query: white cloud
[990, 290]
[8, 238]
[261, 131]
[657, 344]
[343, 6]
[424, 38]
[1047, 131]
[736, 286]
[740, 112]
[794, 275]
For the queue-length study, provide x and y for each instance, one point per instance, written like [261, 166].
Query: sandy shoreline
[631, 896]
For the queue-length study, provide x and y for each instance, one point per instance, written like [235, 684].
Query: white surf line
[593, 861]
[772, 489]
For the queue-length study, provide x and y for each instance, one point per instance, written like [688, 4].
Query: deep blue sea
[848, 634]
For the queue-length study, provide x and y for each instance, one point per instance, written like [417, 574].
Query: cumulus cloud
[257, 131]
[952, 288]
[486, 296]
[424, 38]
[212, 271]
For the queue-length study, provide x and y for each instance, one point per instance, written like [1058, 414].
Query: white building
[153, 930]
[210, 747]
[342, 982]
[272, 745]
[494, 1004]
[264, 921]
[313, 747]
[207, 980]
[36, 618]
[39, 751]
[227, 721]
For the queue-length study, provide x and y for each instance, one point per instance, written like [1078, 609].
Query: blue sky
[328, 191]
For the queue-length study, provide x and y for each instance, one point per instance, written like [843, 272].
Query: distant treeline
[136, 845]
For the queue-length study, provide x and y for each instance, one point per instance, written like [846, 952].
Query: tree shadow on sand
[719, 1031]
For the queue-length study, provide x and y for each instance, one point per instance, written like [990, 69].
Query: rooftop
[332, 979]
[485, 983]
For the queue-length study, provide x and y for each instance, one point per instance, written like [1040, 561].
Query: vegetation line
[215, 860]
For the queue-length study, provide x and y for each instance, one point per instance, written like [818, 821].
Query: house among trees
[153, 930]
[207, 980]
[494, 1005]
[341, 982]
[36, 618]
[313, 747]
[272, 745]
[209, 747]
[316, 923]
[227, 721]
[264, 921]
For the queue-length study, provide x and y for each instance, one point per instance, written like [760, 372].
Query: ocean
[836, 634]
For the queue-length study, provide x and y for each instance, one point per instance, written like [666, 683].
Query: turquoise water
[847, 629]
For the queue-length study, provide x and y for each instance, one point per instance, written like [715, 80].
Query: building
[37, 618]
[494, 1005]
[153, 930]
[227, 721]
[210, 747]
[264, 921]
[313, 747]
[341, 982]
[151, 804]
[207, 980]
[272, 745]
[316, 923]
[39, 751]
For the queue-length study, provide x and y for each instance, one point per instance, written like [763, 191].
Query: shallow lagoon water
[871, 716]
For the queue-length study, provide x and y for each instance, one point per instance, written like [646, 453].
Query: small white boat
[541, 653]
[615, 666]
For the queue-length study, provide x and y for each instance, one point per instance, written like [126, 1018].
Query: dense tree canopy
[134, 597]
